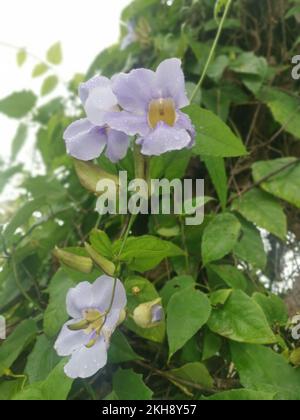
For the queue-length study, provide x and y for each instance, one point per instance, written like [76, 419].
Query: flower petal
[100, 101]
[102, 291]
[130, 124]
[86, 362]
[184, 121]
[117, 145]
[90, 85]
[135, 90]
[170, 80]
[68, 341]
[79, 298]
[84, 141]
[165, 139]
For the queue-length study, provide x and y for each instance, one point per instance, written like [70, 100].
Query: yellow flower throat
[161, 110]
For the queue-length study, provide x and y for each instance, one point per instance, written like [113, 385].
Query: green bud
[107, 266]
[144, 315]
[295, 357]
[89, 175]
[77, 262]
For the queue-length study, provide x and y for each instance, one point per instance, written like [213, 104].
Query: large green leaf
[41, 360]
[56, 314]
[274, 308]
[261, 369]
[263, 210]
[233, 277]
[250, 247]
[18, 104]
[15, 343]
[174, 286]
[217, 172]
[242, 395]
[146, 252]
[286, 184]
[285, 109]
[214, 137]
[120, 350]
[187, 312]
[129, 386]
[195, 373]
[241, 319]
[55, 388]
[220, 237]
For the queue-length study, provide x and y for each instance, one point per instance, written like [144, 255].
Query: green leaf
[187, 312]
[174, 286]
[49, 85]
[214, 137]
[22, 216]
[18, 141]
[55, 388]
[217, 172]
[42, 360]
[274, 308]
[146, 252]
[9, 388]
[195, 373]
[15, 343]
[220, 237]
[120, 350]
[129, 386]
[261, 369]
[233, 277]
[21, 57]
[286, 184]
[211, 345]
[146, 293]
[39, 70]
[263, 210]
[18, 104]
[285, 109]
[56, 314]
[242, 320]
[6, 175]
[250, 247]
[101, 243]
[54, 54]
[242, 395]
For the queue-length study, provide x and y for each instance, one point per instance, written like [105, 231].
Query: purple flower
[151, 103]
[87, 138]
[96, 310]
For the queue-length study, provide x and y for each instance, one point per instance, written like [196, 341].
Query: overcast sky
[84, 27]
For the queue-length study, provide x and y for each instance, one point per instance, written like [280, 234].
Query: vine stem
[212, 51]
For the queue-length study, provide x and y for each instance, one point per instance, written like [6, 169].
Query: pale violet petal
[171, 83]
[86, 87]
[79, 298]
[129, 123]
[135, 90]
[102, 291]
[117, 145]
[165, 139]
[84, 141]
[68, 341]
[86, 362]
[99, 102]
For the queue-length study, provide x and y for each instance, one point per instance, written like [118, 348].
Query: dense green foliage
[226, 335]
